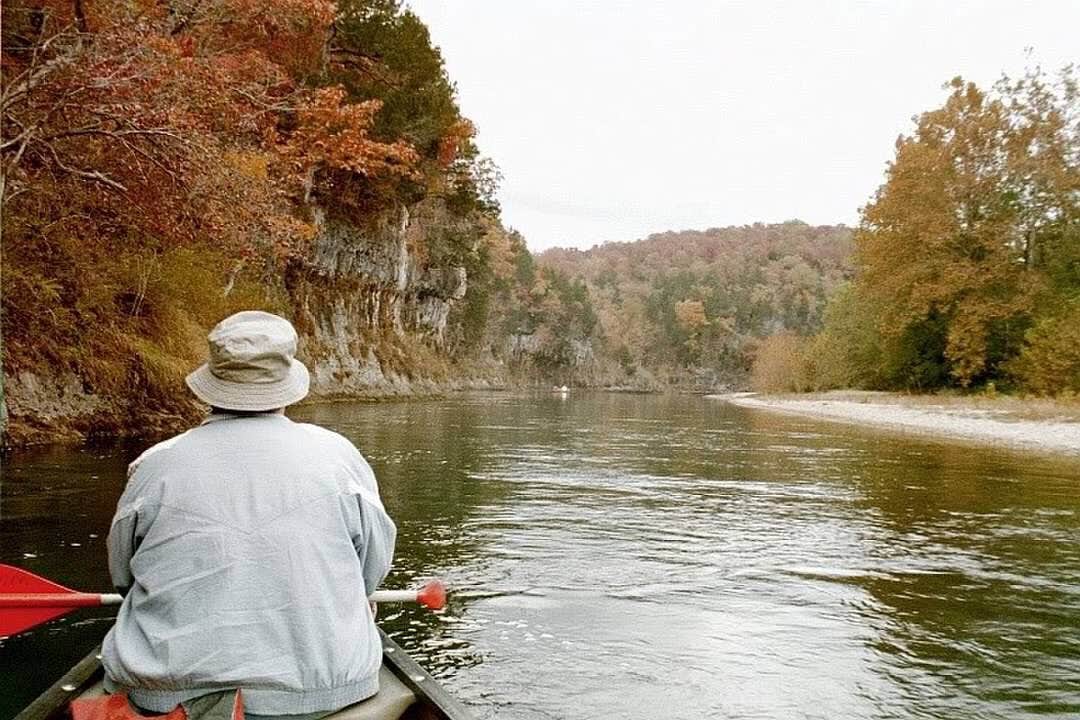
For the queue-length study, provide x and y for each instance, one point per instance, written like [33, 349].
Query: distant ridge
[697, 301]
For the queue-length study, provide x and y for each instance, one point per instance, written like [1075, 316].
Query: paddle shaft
[22, 600]
[27, 599]
[390, 596]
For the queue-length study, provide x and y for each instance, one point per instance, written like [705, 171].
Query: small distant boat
[406, 690]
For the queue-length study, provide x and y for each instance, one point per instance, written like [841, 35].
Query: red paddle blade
[16, 620]
[432, 595]
[16, 581]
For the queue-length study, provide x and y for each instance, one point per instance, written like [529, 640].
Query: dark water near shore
[647, 557]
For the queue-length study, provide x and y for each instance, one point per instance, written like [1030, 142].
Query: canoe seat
[390, 703]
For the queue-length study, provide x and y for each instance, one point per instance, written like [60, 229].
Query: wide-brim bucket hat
[252, 365]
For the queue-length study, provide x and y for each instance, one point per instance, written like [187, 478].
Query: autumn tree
[847, 353]
[381, 50]
[780, 364]
[979, 204]
[691, 320]
[1049, 364]
[486, 315]
[155, 159]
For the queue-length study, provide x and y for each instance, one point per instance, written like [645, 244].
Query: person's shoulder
[329, 439]
[149, 457]
[358, 470]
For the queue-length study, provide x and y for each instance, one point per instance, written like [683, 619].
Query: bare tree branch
[95, 175]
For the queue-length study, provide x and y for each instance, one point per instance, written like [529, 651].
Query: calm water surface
[648, 557]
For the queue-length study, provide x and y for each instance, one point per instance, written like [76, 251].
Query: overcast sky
[612, 119]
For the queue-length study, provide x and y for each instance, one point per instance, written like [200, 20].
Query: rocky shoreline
[46, 410]
[59, 410]
[1042, 426]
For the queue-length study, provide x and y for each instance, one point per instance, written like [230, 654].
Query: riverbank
[58, 410]
[1031, 424]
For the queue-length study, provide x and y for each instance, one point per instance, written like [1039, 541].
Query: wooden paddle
[27, 599]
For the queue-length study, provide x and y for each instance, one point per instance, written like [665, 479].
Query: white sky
[612, 119]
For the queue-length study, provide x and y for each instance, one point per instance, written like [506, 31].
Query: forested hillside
[166, 164]
[691, 307]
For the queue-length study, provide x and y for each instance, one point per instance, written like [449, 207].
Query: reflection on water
[638, 556]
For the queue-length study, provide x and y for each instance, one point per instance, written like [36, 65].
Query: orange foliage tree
[978, 209]
[134, 133]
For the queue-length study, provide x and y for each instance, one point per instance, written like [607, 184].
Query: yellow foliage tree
[691, 319]
[1050, 362]
[953, 236]
[780, 365]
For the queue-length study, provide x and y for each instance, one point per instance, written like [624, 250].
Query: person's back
[248, 547]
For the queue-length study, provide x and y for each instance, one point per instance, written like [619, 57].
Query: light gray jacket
[247, 547]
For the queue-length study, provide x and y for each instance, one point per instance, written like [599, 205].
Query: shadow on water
[55, 510]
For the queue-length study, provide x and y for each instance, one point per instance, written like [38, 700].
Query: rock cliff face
[371, 306]
[370, 290]
[58, 403]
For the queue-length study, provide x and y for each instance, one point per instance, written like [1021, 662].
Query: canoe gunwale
[429, 693]
[50, 703]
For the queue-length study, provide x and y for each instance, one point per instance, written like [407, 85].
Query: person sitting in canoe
[247, 546]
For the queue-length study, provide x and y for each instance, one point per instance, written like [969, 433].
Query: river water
[617, 556]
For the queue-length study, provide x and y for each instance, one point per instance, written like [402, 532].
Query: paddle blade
[432, 595]
[16, 581]
[16, 620]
